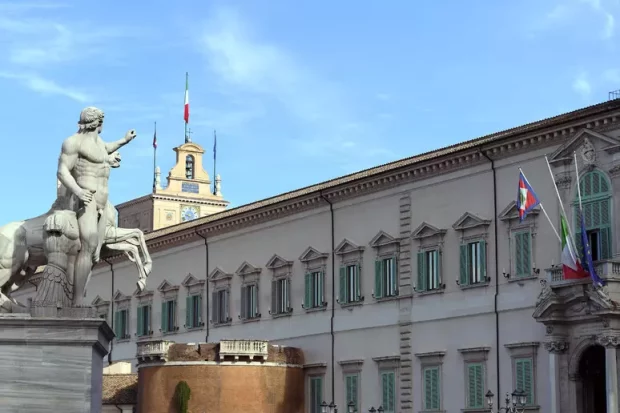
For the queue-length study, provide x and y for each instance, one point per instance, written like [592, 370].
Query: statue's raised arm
[114, 146]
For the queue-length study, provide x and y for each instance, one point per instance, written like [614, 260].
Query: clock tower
[188, 195]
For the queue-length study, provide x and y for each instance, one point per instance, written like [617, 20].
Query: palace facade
[413, 285]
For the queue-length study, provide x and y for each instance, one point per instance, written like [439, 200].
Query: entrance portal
[592, 372]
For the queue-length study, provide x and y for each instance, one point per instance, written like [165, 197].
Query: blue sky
[299, 91]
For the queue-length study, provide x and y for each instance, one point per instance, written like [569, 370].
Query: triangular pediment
[426, 230]
[219, 274]
[468, 221]
[311, 254]
[347, 246]
[141, 294]
[277, 262]
[247, 268]
[588, 137]
[99, 301]
[383, 239]
[167, 286]
[512, 212]
[190, 280]
[119, 296]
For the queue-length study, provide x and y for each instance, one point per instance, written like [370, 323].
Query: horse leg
[131, 251]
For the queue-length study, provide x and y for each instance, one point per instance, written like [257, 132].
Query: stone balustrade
[156, 350]
[605, 269]
[244, 348]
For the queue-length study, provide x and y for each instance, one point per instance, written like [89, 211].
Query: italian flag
[186, 112]
[571, 268]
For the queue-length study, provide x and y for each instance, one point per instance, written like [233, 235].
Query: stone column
[611, 343]
[614, 172]
[555, 347]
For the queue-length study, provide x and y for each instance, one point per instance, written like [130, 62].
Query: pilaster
[557, 348]
[405, 386]
[614, 173]
[611, 342]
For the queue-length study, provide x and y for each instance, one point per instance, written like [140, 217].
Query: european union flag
[587, 255]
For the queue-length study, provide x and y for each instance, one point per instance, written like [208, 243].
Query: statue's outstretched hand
[130, 135]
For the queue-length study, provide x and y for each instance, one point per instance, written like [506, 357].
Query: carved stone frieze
[556, 346]
[563, 180]
[588, 153]
[608, 340]
[615, 171]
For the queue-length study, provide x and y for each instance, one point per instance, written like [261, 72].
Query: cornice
[447, 160]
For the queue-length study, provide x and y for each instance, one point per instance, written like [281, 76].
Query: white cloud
[582, 86]
[46, 87]
[571, 11]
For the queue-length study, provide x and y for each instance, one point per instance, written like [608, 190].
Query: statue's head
[91, 119]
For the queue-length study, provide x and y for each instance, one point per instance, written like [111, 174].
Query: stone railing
[244, 348]
[156, 350]
[604, 269]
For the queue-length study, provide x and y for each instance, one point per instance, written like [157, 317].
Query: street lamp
[351, 407]
[516, 405]
[373, 410]
[332, 408]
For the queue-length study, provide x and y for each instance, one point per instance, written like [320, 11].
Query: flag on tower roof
[527, 199]
[186, 110]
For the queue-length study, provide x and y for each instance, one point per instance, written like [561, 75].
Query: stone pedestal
[51, 360]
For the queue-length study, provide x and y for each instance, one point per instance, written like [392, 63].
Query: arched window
[189, 167]
[596, 201]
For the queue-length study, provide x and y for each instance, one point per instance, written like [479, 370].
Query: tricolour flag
[526, 197]
[571, 268]
[587, 255]
[186, 111]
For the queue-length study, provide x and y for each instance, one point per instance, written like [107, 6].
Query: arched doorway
[592, 372]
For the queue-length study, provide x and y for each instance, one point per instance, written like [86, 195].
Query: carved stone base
[52, 363]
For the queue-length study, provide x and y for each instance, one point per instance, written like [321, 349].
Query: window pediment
[383, 239]
[247, 269]
[119, 296]
[278, 262]
[511, 212]
[98, 301]
[311, 254]
[191, 281]
[426, 230]
[346, 247]
[469, 221]
[584, 140]
[219, 274]
[166, 286]
[143, 293]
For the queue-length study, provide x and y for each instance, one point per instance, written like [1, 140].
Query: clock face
[188, 213]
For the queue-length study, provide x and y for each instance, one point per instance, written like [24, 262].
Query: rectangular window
[121, 324]
[431, 388]
[428, 270]
[280, 296]
[350, 291]
[316, 394]
[249, 301]
[388, 392]
[473, 263]
[386, 278]
[523, 254]
[193, 311]
[219, 306]
[144, 320]
[314, 282]
[524, 375]
[351, 383]
[168, 316]
[475, 386]
[594, 237]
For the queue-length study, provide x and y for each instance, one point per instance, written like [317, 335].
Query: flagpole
[155, 157]
[542, 208]
[578, 186]
[186, 106]
[557, 192]
[214, 161]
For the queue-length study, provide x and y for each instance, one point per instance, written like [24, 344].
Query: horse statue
[25, 246]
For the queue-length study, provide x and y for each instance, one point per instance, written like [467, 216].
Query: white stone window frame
[351, 254]
[475, 355]
[102, 307]
[281, 269]
[525, 350]
[472, 228]
[349, 368]
[144, 297]
[194, 287]
[429, 238]
[123, 302]
[388, 364]
[314, 261]
[510, 216]
[431, 359]
[220, 281]
[170, 292]
[250, 275]
[385, 247]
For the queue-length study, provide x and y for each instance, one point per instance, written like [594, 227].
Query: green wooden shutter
[388, 399]
[475, 384]
[276, 297]
[316, 394]
[525, 380]
[140, 317]
[189, 310]
[117, 323]
[321, 289]
[394, 276]
[309, 282]
[215, 307]
[464, 268]
[483, 260]
[244, 302]
[523, 250]
[431, 388]
[378, 278]
[255, 304]
[342, 293]
[358, 279]
[421, 285]
[287, 295]
[351, 386]
[164, 317]
[199, 307]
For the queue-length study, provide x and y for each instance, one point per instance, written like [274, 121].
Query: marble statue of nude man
[84, 170]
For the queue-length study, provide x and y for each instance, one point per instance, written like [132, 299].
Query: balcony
[148, 351]
[607, 270]
[244, 348]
